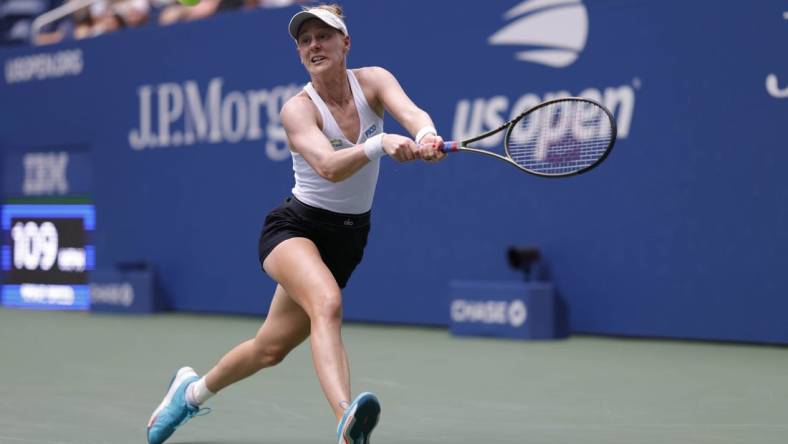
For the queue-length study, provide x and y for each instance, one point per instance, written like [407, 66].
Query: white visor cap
[323, 15]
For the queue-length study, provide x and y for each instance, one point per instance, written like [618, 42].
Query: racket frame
[510, 125]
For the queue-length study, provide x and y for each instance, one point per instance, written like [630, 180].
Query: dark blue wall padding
[680, 233]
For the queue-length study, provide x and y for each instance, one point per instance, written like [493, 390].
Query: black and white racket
[556, 138]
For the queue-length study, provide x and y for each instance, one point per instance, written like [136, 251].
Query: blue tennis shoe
[173, 410]
[359, 419]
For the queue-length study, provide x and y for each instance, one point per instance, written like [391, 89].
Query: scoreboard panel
[46, 255]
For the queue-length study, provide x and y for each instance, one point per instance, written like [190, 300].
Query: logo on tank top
[371, 130]
[336, 143]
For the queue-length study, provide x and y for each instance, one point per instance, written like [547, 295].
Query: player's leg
[296, 264]
[285, 327]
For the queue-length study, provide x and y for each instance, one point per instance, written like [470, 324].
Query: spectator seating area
[91, 18]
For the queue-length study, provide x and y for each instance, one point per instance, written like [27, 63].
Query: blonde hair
[333, 8]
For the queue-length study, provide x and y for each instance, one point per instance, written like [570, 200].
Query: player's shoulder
[298, 101]
[298, 106]
[371, 74]
[374, 81]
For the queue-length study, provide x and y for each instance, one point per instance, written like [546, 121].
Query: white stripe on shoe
[365, 408]
[349, 421]
[177, 380]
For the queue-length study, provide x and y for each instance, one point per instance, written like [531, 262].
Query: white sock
[197, 392]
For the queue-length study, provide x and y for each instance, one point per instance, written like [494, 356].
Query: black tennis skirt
[340, 238]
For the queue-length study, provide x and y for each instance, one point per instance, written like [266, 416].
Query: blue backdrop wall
[681, 233]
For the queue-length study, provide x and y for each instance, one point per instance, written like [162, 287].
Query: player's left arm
[416, 121]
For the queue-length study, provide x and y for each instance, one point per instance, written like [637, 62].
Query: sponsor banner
[504, 309]
[46, 296]
[51, 171]
[776, 88]
[184, 114]
[555, 32]
[44, 66]
[123, 291]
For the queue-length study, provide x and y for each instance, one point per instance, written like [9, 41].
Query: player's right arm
[300, 119]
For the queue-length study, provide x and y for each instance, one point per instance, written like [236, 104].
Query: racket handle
[450, 146]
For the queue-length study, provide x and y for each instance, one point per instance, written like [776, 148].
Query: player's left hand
[429, 148]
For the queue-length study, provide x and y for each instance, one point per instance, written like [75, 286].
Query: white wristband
[373, 147]
[424, 131]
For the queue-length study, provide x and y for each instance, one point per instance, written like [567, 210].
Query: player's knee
[328, 307]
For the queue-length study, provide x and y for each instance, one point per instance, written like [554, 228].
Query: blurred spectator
[282, 3]
[111, 15]
[78, 25]
[99, 18]
[83, 24]
[104, 16]
[175, 12]
[16, 18]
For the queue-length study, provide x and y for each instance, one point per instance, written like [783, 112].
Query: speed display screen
[46, 255]
[50, 251]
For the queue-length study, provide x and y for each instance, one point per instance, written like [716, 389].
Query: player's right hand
[430, 148]
[400, 148]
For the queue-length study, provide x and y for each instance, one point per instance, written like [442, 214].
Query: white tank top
[354, 194]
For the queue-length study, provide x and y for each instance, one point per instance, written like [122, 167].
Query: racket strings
[561, 138]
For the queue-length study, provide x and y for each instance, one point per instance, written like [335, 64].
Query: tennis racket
[556, 138]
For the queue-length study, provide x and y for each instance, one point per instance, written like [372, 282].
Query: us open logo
[553, 31]
[773, 84]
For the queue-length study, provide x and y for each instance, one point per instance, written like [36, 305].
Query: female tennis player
[311, 244]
